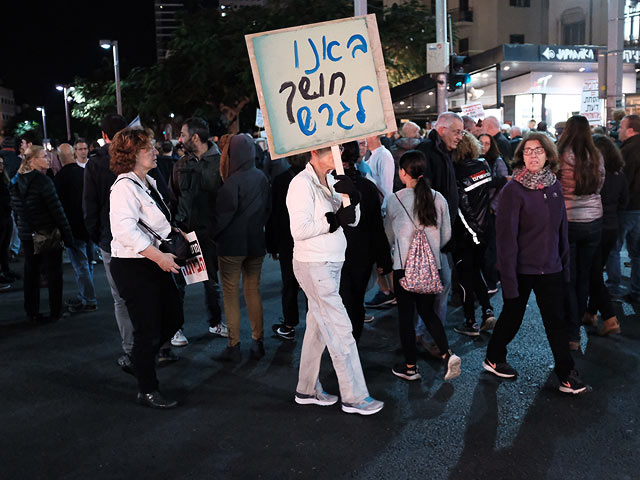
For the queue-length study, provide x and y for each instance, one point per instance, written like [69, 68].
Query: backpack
[421, 270]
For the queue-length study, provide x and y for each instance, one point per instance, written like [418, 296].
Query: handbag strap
[148, 192]
[140, 222]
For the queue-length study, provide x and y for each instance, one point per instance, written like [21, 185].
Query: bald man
[69, 183]
[493, 127]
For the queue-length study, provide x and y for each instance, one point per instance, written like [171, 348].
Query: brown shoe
[610, 326]
[590, 319]
[575, 346]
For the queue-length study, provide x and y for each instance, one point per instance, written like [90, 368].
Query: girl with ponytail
[413, 207]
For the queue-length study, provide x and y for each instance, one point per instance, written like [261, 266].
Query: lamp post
[65, 89]
[107, 44]
[44, 120]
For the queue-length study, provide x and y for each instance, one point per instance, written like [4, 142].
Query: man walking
[317, 222]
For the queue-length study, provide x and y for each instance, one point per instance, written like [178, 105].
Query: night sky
[46, 43]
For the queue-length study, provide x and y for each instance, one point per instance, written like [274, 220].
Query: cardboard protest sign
[591, 105]
[195, 270]
[322, 84]
[474, 110]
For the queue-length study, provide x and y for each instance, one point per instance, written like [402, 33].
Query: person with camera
[141, 271]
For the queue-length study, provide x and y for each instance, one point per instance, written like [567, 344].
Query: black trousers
[550, 293]
[211, 287]
[6, 229]
[599, 297]
[290, 289]
[469, 258]
[408, 303]
[155, 310]
[51, 264]
[353, 288]
[489, 269]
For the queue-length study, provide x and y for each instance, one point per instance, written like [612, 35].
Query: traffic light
[457, 77]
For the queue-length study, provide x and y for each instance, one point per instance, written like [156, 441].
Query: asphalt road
[68, 411]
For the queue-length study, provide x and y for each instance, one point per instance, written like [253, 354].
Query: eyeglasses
[530, 151]
[457, 133]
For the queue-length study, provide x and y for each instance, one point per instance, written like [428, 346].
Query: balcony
[461, 16]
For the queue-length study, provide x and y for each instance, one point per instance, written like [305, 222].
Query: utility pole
[441, 37]
[359, 7]
[615, 46]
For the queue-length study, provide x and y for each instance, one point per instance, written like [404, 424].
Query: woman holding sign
[140, 270]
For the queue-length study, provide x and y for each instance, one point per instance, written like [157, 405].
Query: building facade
[7, 106]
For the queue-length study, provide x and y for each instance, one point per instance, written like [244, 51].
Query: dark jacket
[631, 153]
[503, 146]
[69, 184]
[195, 184]
[475, 184]
[37, 206]
[367, 242]
[513, 144]
[243, 204]
[614, 196]
[277, 231]
[440, 171]
[399, 148]
[5, 199]
[11, 161]
[98, 179]
[531, 234]
[165, 166]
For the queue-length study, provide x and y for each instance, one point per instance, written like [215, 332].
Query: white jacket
[308, 201]
[130, 202]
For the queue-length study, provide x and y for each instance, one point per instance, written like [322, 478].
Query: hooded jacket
[195, 184]
[37, 206]
[243, 204]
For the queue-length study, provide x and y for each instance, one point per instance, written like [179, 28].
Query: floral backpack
[421, 270]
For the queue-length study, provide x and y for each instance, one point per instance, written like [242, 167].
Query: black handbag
[175, 243]
[45, 242]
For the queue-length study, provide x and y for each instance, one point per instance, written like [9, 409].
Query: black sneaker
[469, 329]
[230, 354]
[283, 331]
[488, 320]
[573, 384]
[381, 299]
[73, 302]
[125, 363]
[502, 369]
[408, 373]
[83, 308]
[257, 349]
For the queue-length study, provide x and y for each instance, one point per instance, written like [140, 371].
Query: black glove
[342, 218]
[346, 186]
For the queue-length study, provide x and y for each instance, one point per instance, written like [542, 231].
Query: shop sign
[321, 85]
[631, 56]
[567, 54]
[591, 106]
[474, 110]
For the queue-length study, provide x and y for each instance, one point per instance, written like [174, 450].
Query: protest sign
[591, 106]
[321, 85]
[259, 120]
[195, 270]
[474, 110]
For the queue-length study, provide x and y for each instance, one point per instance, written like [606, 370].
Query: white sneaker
[368, 406]
[453, 366]
[179, 340]
[219, 330]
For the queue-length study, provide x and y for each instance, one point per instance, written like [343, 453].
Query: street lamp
[107, 44]
[44, 120]
[65, 89]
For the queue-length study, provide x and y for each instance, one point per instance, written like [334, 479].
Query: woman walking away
[140, 270]
[242, 209]
[615, 195]
[471, 231]
[42, 227]
[581, 176]
[417, 206]
[533, 255]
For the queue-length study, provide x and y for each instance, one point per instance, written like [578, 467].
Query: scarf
[534, 181]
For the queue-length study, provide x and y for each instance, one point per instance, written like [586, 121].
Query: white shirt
[308, 201]
[82, 164]
[130, 202]
[382, 169]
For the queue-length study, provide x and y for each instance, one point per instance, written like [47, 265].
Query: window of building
[574, 33]
[463, 46]
[518, 38]
[520, 3]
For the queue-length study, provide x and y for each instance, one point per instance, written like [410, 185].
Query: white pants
[328, 325]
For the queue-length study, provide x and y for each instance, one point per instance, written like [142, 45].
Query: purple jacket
[531, 234]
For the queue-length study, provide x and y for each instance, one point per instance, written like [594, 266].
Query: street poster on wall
[322, 84]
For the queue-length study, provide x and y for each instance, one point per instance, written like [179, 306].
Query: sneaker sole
[416, 376]
[314, 401]
[386, 303]
[179, 344]
[221, 335]
[359, 411]
[488, 324]
[468, 334]
[453, 368]
[286, 336]
[564, 389]
[490, 369]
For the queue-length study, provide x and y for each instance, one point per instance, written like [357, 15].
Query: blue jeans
[84, 272]
[584, 241]
[629, 230]
[440, 304]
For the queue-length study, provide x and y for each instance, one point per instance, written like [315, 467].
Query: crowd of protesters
[485, 206]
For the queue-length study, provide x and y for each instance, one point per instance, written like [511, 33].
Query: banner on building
[321, 84]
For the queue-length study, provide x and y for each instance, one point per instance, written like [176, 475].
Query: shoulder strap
[148, 193]
[406, 211]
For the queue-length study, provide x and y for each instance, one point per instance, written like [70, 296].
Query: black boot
[155, 400]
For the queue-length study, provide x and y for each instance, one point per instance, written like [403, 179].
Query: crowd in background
[500, 207]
